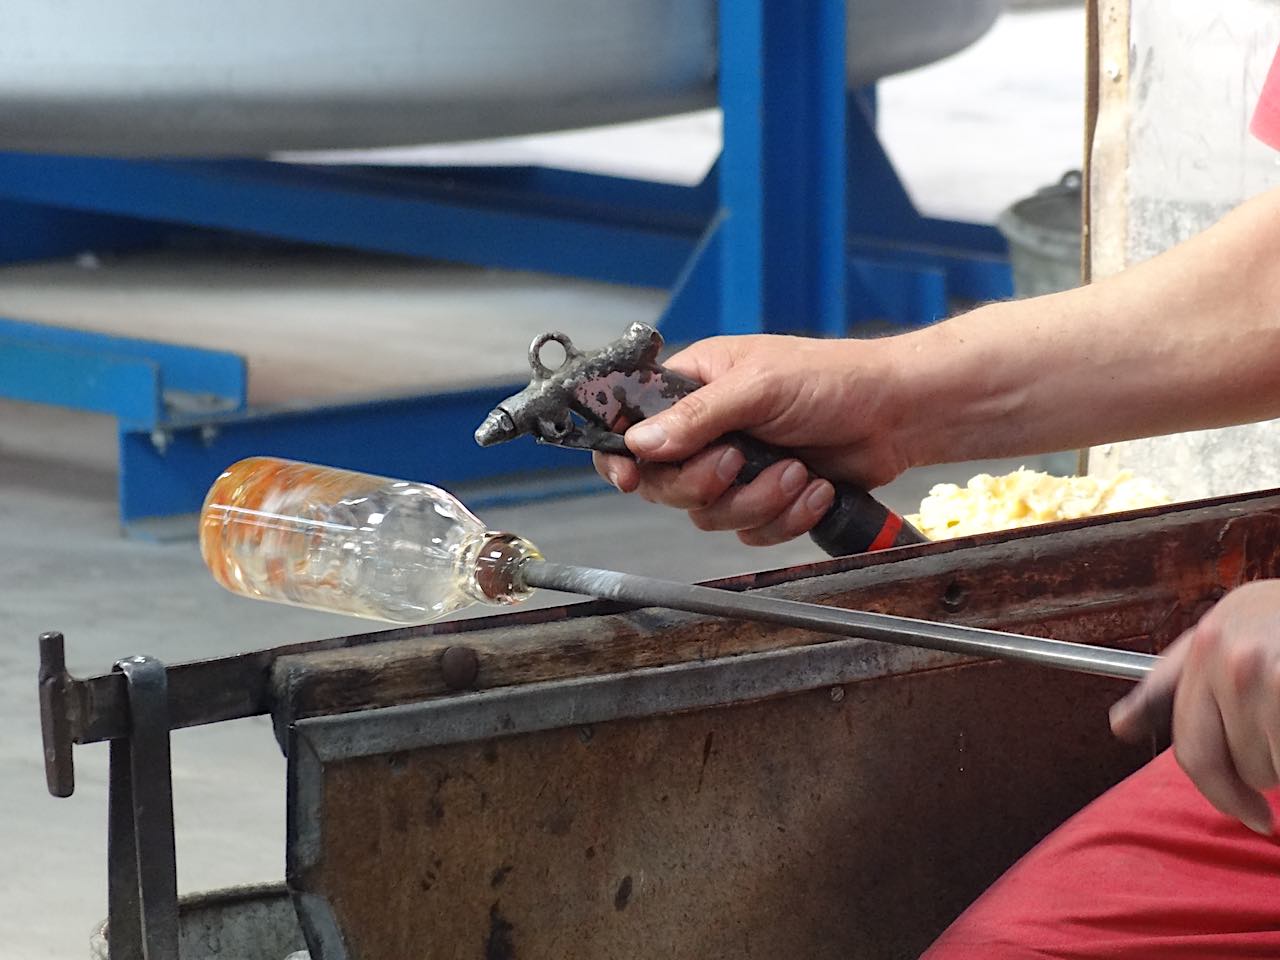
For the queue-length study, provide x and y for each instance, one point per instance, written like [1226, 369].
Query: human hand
[826, 400]
[1223, 679]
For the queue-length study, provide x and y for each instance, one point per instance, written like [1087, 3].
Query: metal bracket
[142, 877]
[55, 715]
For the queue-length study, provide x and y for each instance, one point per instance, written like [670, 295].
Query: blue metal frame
[142, 382]
[802, 226]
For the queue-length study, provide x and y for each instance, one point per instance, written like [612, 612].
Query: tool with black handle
[586, 401]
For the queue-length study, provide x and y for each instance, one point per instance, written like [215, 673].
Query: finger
[731, 402]
[1147, 710]
[812, 504]
[757, 503]
[622, 472]
[694, 484]
[1200, 742]
[1273, 713]
[1237, 682]
[705, 360]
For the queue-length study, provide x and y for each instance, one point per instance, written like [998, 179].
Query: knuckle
[797, 522]
[648, 493]
[703, 520]
[1273, 684]
[704, 491]
[1259, 774]
[694, 409]
[1205, 770]
[1203, 646]
[1242, 663]
[1190, 760]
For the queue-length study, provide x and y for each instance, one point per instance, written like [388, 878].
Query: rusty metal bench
[589, 782]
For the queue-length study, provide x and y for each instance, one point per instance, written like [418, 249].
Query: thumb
[733, 402]
[1147, 709]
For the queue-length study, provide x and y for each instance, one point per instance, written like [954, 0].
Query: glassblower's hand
[1223, 680]
[826, 400]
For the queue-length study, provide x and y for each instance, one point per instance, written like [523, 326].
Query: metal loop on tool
[540, 370]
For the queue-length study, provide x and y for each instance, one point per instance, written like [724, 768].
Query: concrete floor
[971, 135]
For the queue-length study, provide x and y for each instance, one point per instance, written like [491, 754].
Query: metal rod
[949, 638]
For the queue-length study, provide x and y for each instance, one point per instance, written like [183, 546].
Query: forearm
[1189, 340]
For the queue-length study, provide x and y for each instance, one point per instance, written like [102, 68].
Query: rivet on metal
[954, 597]
[459, 667]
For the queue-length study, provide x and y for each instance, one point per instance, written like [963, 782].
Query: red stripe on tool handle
[888, 533]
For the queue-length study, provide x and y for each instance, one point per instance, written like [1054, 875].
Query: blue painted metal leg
[905, 292]
[782, 176]
[696, 297]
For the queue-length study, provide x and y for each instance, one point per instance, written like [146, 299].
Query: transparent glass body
[352, 543]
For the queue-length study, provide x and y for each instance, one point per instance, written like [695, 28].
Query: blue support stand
[802, 226]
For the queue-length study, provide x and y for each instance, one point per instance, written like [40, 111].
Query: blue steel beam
[426, 438]
[903, 292]
[696, 295]
[31, 232]
[335, 207]
[127, 387]
[970, 276]
[614, 199]
[136, 380]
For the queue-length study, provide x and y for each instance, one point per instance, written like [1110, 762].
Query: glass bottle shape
[353, 543]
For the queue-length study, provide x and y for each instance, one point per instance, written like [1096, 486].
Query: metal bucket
[1044, 234]
[242, 923]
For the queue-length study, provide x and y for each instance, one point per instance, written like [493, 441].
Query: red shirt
[1266, 116]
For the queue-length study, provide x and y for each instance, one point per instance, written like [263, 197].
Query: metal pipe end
[498, 427]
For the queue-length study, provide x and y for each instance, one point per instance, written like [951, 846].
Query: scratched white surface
[1197, 69]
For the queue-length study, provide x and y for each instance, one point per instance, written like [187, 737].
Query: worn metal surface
[242, 923]
[851, 821]
[1102, 577]
[142, 872]
[903, 631]
[653, 784]
[1134, 583]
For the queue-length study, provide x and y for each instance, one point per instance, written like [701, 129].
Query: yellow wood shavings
[1026, 497]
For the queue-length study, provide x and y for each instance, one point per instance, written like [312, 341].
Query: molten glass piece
[352, 543]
